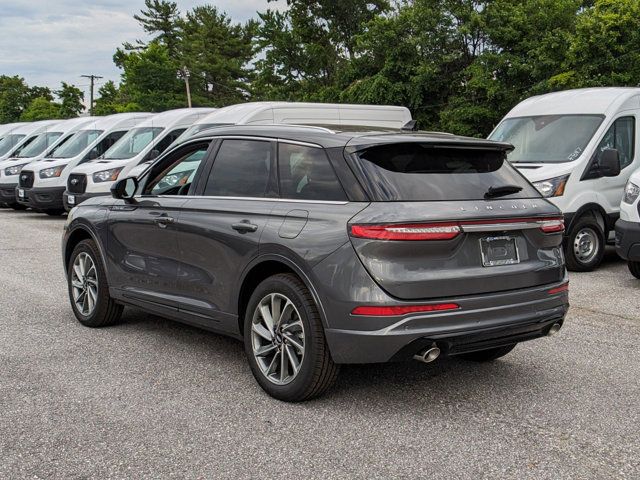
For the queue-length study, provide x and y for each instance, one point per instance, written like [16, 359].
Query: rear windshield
[422, 172]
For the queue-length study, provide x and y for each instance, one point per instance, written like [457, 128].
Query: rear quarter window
[424, 172]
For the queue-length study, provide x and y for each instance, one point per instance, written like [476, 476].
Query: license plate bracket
[498, 251]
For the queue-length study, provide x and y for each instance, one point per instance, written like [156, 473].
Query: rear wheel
[488, 355]
[584, 246]
[284, 341]
[634, 268]
[88, 288]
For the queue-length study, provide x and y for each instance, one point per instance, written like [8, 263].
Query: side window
[621, 136]
[242, 168]
[104, 145]
[306, 174]
[177, 177]
[163, 144]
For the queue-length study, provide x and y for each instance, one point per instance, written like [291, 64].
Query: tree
[71, 99]
[108, 99]
[160, 19]
[15, 96]
[41, 108]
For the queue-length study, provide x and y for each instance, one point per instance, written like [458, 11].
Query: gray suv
[318, 247]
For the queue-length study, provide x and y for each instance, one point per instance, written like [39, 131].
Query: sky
[49, 41]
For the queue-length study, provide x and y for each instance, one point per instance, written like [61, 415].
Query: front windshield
[77, 144]
[132, 143]
[547, 138]
[10, 141]
[197, 128]
[40, 144]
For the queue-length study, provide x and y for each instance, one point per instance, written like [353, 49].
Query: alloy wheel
[84, 283]
[277, 338]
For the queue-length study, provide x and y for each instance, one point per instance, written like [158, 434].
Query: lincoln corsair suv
[321, 247]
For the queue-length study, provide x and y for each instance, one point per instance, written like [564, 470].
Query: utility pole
[92, 78]
[184, 73]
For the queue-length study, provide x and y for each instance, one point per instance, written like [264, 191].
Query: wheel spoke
[263, 332]
[262, 351]
[78, 272]
[284, 366]
[275, 309]
[295, 364]
[76, 283]
[273, 365]
[84, 302]
[294, 341]
[267, 318]
[291, 325]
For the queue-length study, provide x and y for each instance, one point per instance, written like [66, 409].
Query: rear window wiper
[502, 190]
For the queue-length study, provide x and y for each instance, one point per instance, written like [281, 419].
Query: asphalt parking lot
[154, 399]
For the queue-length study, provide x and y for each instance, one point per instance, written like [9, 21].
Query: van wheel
[88, 288]
[634, 268]
[284, 341]
[584, 246]
[488, 355]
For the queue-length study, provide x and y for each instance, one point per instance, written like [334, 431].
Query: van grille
[77, 183]
[26, 179]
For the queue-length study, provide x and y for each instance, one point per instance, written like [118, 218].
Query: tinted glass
[77, 144]
[197, 128]
[241, 169]
[177, 179]
[40, 144]
[132, 143]
[547, 138]
[306, 174]
[163, 144]
[421, 172]
[621, 136]
[8, 142]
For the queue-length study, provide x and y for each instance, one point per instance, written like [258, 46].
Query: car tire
[634, 268]
[489, 354]
[91, 279]
[297, 335]
[584, 246]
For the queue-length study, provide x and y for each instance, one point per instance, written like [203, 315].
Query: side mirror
[93, 154]
[153, 154]
[124, 189]
[609, 163]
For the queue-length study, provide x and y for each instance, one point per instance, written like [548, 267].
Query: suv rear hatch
[451, 217]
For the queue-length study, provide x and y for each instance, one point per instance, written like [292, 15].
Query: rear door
[435, 230]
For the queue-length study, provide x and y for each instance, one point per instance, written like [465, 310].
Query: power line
[93, 78]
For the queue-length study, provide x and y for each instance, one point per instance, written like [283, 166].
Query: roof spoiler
[410, 126]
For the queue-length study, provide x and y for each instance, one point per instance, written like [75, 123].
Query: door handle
[244, 227]
[162, 222]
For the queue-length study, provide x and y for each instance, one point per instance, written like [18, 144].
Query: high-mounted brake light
[375, 311]
[409, 231]
[560, 289]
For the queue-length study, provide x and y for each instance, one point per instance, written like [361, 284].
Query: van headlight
[631, 193]
[110, 175]
[52, 172]
[554, 187]
[13, 170]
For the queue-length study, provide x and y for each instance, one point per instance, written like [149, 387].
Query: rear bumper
[628, 240]
[78, 198]
[8, 193]
[454, 332]
[41, 198]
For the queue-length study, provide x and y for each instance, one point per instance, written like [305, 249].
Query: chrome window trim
[262, 199]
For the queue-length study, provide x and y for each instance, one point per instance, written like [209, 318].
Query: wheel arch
[261, 269]
[75, 236]
[599, 213]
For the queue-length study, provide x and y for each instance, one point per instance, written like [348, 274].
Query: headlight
[13, 170]
[110, 175]
[631, 193]
[52, 172]
[554, 187]
[176, 179]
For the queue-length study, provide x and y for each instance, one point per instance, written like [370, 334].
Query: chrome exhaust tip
[428, 355]
[555, 328]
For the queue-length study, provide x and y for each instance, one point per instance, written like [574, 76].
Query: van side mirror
[124, 189]
[153, 154]
[92, 155]
[609, 163]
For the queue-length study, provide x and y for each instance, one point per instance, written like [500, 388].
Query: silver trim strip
[500, 227]
[255, 199]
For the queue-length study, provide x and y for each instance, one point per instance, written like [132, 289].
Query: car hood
[42, 164]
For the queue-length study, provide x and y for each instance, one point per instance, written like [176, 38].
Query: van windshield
[77, 144]
[40, 144]
[132, 143]
[547, 138]
[10, 141]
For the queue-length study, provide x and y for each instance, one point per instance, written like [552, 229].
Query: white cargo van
[293, 113]
[579, 148]
[21, 136]
[628, 226]
[44, 144]
[42, 183]
[141, 144]
[6, 128]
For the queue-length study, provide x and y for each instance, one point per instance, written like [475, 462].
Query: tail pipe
[555, 328]
[428, 355]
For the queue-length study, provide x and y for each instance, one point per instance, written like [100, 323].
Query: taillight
[552, 225]
[377, 311]
[560, 289]
[408, 231]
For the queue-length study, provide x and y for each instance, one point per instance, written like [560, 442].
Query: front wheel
[284, 341]
[634, 268]
[488, 355]
[585, 245]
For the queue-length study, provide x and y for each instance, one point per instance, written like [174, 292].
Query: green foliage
[161, 20]
[108, 101]
[41, 108]
[70, 100]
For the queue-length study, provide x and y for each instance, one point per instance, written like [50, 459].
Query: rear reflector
[560, 289]
[374, 311]
[450, 230]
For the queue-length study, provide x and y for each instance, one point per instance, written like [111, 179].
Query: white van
[628, 226]
[44, 144]
[293, 113]
[6, 128]
[21, 136]
[42, 183]
[579, 148]
[141, 144]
